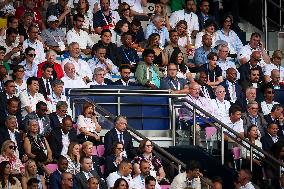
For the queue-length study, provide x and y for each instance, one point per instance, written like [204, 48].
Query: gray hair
[157, 17]
[252, 103]
[97, 70]
[61, 104]
[57, 82]
[10, 117]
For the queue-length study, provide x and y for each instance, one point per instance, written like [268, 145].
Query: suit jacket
[45, 121]
[4, 114]
[109, 165]
[119, 82]
[267, 143]
[201, 20]
[244, 72]
[239, 92]
[261, 123]
[55, 180]
[269, 120]
[4, 135]
[54, 121]
[55, 140]
[111, 137]
[246, 84]
[208, 88]
[42, 87]
[82, 183]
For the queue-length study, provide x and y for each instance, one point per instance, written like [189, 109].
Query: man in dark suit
[244, 69]
[55, 177]
[254, 80]
[9, 133]
[233, 89]
[203, 15]
[275, 79]
[250, 95]
[125, 76]
[81, 178]
[9, 92]
[205, 89]
[45, 82]
[119, 134]
[57, 116]
[55, 139]
[270, 138]
[273, 117]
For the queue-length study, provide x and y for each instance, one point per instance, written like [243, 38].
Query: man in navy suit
[57, 116]
[270, 138]
[55, 177]
[45, 82]
[119, 134]
[203, 15]
[274, 116]
[125, 76]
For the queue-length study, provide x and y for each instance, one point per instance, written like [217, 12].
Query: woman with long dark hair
[7, 181]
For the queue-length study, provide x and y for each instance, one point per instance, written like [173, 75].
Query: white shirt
[40, 124]
[139, 183]
[65, 142]
[248, 186]
[9, 48]
[29, 72]
[266, 108]
[13, 138]
[96, 63]
[232, 91]
[82, 68]
[114, 176]
[135, 5]
[39, 50]
[246, 51]
[27, 100]
[237, 126]
[95, 83]
[82, 38]
[224, 65]
[21, 88]
[220, 109]
[191, 19]
[73, 83]
[245, 153]
[269, 67]
[180, 181]
[87, 123]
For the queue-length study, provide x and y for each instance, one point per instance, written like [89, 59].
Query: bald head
[69, 69]
[275, 76]
[255, 57]
[194, 89]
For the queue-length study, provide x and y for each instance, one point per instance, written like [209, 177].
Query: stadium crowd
[47, 47]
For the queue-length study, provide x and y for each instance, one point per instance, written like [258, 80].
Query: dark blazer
[42, 88]
[4, 114]
[239, 92]
[82, 183]
[111, 52]
[244, 72]
[119, 82]
[54, 121]
[4, 135]
[109, 165]
[269, 120]
[111, 138]
[261, 123]
[55, 141]
[267, 143]
[46, 121]
[55, 180]
[3, 101]
[208, 88]
[201, 20]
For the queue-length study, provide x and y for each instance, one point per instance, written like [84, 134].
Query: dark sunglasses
[13, 147]
[258, 60]
[270, 92]
[31, 55]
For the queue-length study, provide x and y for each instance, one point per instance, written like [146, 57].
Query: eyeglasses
[220, 91]
[21, 70]
[80, 20]
[31, 55]
[255, 74]
[149, 145]
[120, 149]
[256, 59]
[63, 111]
[270, 92]
[13, 147]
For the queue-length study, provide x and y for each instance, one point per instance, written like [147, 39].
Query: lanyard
[127, 56]
[107, 23]
[221, 103]
[214, 74]
[176, 87]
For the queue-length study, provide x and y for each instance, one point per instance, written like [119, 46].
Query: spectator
[82, 68]
[61, 136]
[18, 77]
[153, 43]
[209, 28]
[83, 8]
[245, 177]
[99, 60]
[30, 97]
[105, 18]
[4, 65]
[150, 182]
[124, 171]
[137, 7]
[121, 27]
[253, 80]
[124, 12]
[173, 83]
[233, 89]
[41, 116]
[29, 63]
[67, 181]
[275, 79]
[158, 27]
[31, 172]
[203, 14]
[234, 122]
[57, 72]
[252, 63]
[268, 103]
[6, 177]
[254, 45]
[12, 46]
[213, 71]
[184, 38]
[148, 74]
[275, 114]
[9, 153]
[250, 95]
[112, 50]
[55, 177]
[228, 35]
[9, 132]
[125, 72]
[275, 64]
[88, 126]
[93, 183]
[253, 117]
[128, 54]
[219, 104]
[9, 92]
[189, 178]
[73, 157]
[57, 95]
[57, 116]
[54, 37]
[189, 16]
[156, 168]
[45, 82]
[137, 33]
[113, 160]
[71, 80]
[205, 90]
[119, 134]
[63, 12]
[173, 44]
[34, 143]
[139, 180]
[34, 42]
[121, 183]
[217, 183]
[27, 21]
[200, 55]
[99, 78]
[86, 172]
[33, 183]
[160, 9]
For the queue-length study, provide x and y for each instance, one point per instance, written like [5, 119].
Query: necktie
[47, 88]
[121, 137]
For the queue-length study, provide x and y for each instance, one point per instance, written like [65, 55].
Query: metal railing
[221, 126]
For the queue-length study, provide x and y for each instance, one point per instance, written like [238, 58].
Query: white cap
[52, 18]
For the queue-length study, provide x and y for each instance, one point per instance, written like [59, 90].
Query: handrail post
[118, 103]
[280, 14]
[251, 158]
[265, 24]
[174, 125]
[222, 145]
[194, 126]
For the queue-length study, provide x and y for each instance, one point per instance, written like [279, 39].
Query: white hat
[52, 18]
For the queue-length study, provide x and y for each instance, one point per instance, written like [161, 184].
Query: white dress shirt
[27, 100]
[82, 68]
[180, 181]
[96, 63]
[73, 83]
[116, 175]
[269, 67]
[65, 142]
[39, 50]
[139, 183]
[237, 126]
[82, 38]
[248, 186]
[220, 109]
[246, 51]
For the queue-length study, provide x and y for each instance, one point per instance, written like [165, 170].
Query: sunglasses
[13, 147]
[270, 92]
[258, 60]
[255, 74]
[31, 55]
[149, 145]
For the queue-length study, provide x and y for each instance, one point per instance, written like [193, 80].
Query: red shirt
[20, 11]
[57, 69]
